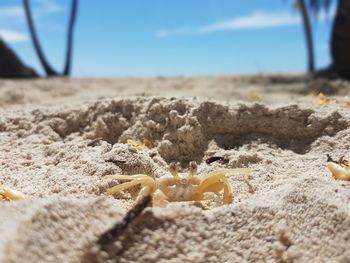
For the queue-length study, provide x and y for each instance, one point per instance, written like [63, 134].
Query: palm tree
[300, 4]
[340, 40]
[340, 37]
[45, 64]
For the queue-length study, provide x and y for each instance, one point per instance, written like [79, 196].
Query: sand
[60, 137]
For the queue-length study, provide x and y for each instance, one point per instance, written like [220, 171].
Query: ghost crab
[340, 169]
[179, 186]
[7, 194]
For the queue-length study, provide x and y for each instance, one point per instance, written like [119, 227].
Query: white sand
[291, 210]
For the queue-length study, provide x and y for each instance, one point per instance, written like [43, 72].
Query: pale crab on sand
[7, 194]
[179, 186]
[340, 169]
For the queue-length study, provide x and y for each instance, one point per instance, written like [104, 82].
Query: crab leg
[135, 180]
[213, 182]
[231, 171]
[123, 177]
[216, 181]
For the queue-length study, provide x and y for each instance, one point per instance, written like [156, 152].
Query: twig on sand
[112, 234]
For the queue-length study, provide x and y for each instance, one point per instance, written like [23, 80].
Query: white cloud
[47, 6]
[11, 36]
[13, 17]
[39, 8]
[256, 20]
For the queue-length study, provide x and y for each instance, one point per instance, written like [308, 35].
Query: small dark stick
[112, 234]
[330, 159]
[219, 159]
[116, 162]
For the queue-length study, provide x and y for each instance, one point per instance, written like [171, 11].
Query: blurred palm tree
[340, 36]
[340, 40]
[50, 72]
[300, 4]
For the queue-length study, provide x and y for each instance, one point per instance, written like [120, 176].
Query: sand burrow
[182, 130]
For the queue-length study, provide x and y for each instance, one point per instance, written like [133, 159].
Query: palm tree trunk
[340, 40]
[73, 15]
[308, 36]
[48, 69]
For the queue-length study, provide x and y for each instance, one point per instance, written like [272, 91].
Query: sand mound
[290, 209]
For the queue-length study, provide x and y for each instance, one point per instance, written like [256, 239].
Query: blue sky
[168, 37]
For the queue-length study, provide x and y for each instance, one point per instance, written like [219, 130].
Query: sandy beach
[60, 137]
